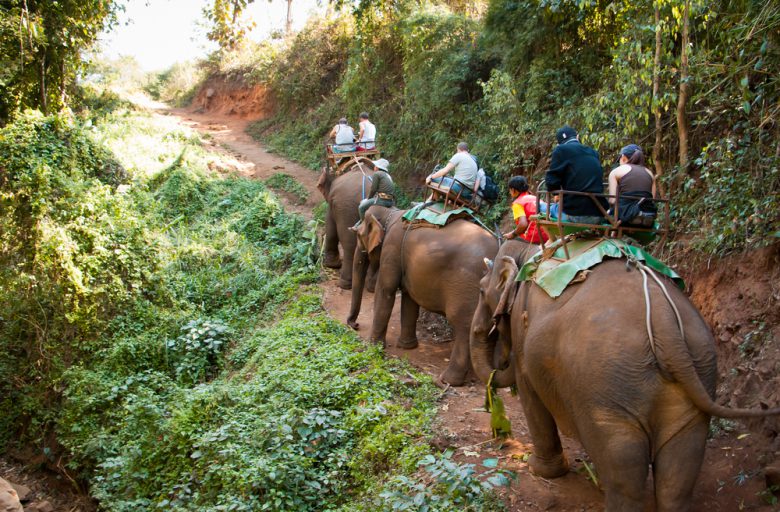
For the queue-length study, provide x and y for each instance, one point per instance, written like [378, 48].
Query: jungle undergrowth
[166, 336]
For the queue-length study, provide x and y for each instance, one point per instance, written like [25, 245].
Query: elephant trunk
[360, 266]
[482, 345]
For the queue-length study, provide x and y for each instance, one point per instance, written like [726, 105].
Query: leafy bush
[166, 338]
[194, 354]
[285, 182]
[447, 486]
[177, 84]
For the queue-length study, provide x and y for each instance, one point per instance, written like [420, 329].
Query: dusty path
[729, 480]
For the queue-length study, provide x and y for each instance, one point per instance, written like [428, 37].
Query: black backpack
[490, 189]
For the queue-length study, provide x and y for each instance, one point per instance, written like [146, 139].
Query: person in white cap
[382, 190]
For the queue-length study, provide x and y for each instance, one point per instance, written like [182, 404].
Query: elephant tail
[675, 358]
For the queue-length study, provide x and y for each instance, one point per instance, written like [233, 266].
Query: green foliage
[769, 495]
[41, 44]
[446, 485]
[312, 66]
[228, 28]
[430, 75]
[194, 354]
[165, 329]
[177, 84]
[285, 182]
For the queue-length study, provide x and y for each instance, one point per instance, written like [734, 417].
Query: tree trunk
[288, 23]
[42, 82]
[682, 100]
[63, 95]
[659, 169]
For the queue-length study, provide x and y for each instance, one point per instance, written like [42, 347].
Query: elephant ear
[375, 233]
[506, 269]
[323, 184]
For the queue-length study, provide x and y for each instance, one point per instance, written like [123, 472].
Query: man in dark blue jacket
[576, 167]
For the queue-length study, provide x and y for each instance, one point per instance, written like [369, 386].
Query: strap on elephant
[645, 271]
[351, 161]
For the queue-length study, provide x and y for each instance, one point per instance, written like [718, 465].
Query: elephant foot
[453, 376]
[378, 341]
[548, 468]
[344, 284]
[353, 323]
[407, 344]
[332, 261]
[370, 287]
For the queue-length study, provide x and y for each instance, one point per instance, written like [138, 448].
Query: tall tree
[682, 99]
[228, 27]
[656, 97]
[41, 43]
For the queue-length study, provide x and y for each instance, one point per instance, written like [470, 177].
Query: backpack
[489, 189]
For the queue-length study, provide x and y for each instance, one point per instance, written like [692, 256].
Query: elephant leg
[621, 454]
[348, 242]
[676, 467]
[331, 257]
[548, 460]
[410, 311]
[384, 300]
[460, 360]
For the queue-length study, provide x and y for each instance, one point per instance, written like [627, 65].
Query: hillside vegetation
[694, 83]
[164, 339]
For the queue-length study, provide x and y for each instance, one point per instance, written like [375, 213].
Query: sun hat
[565, 134]
[382, 164]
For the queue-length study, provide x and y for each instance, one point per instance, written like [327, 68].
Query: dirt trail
[730, 479]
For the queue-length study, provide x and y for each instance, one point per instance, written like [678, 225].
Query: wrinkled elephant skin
[583, 364]
[435, 268]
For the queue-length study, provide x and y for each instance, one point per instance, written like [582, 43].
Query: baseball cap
[565, 134]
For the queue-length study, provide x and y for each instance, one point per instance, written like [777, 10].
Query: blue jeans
[577, 219]
[455, 187]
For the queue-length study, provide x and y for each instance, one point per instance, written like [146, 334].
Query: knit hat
[565, 134]
[382, 164]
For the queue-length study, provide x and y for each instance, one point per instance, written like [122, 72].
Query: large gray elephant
[436, 268]
[584, 363]
[343, 195]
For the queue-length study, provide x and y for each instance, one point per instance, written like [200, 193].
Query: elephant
[583, 363]
[435, 268]
[343, 195]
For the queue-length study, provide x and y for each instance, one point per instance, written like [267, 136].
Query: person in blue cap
[636, 184]
[576, 167]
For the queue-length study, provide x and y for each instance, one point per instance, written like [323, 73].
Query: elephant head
[491, 320]
[370, 235]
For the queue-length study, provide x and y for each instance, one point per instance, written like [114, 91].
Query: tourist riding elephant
[584, 363]
[343, 195]
[436, 268]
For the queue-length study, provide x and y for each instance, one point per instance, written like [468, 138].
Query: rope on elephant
[645, 270]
